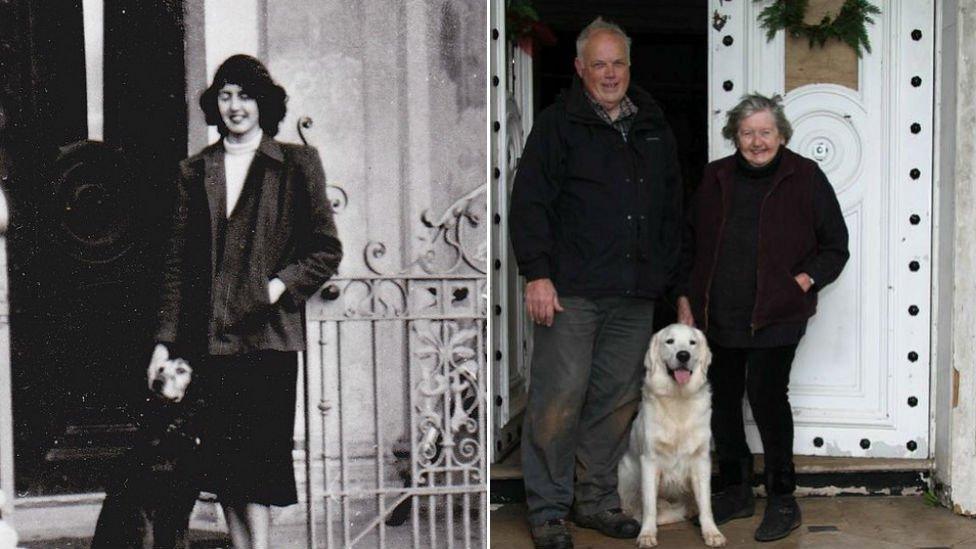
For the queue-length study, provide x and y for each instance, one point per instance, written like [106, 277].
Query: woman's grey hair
[600, 24]
[750, 105]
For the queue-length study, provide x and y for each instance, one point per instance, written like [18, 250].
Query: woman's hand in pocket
[804, 281]
[275, 290]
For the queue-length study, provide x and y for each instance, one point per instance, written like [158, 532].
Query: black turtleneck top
[733, 290]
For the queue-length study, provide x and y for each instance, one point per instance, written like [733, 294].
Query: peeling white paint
[834, 449]
[832, 491]
[910, 491]
[880, 449]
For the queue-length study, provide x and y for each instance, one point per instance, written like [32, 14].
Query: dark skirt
[250, 427]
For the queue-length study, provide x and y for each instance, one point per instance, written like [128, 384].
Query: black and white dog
[151, 495]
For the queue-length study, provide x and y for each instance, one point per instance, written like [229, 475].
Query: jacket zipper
[634, 173]
[711, 274]
[762, 206]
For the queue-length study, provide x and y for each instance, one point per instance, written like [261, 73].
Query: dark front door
[87, 224]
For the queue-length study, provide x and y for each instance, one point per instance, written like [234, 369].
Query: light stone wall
[943, 245]
[396, 93]
[963, 412]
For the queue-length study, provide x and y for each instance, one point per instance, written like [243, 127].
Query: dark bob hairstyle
[253, 78]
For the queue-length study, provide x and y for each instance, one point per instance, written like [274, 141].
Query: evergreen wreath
[524, 28]
[848, 26]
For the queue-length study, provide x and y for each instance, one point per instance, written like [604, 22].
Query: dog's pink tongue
[682, 376]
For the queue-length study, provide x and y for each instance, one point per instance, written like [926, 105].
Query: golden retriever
[665, 475]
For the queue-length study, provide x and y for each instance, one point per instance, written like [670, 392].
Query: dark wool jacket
[597, 214]
[216, 273]
[801, 229]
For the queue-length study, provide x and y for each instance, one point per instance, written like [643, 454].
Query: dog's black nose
[683, 356]
[157, 385]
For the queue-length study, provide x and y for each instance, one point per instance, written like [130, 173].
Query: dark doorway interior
[87, 218]
[669, 59]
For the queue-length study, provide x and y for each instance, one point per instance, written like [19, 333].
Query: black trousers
[764, 376]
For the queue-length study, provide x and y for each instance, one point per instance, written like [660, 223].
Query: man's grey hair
[598, 25]
[750, 105]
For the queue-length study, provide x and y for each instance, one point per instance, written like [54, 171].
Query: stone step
[511, 467]
[816, 476]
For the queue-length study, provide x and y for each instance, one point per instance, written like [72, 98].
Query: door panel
[87, 221]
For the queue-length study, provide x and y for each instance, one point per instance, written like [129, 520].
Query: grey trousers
[584, 392]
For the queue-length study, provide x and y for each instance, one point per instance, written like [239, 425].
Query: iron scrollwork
[456, 235]
[449, 394]
[337, 195]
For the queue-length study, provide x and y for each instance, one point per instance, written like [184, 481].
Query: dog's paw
[714, 538]
[647, 539]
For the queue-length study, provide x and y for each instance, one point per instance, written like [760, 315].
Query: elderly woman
[253, 237]
[765, 233]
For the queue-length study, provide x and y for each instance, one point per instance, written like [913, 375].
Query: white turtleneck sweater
[237, 160]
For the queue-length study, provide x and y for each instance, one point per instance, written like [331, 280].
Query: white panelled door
[860, 382]
[511, 333]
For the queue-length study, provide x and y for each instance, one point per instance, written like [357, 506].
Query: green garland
[848, 26]
[523, 27]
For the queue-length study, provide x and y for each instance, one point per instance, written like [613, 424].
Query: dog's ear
[653, 356]
[705, 353]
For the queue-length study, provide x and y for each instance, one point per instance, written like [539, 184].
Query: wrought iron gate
[395, 395]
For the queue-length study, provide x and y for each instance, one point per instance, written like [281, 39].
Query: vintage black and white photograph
[243, 287]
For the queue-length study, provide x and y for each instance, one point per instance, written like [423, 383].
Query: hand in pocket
[275, 290]
[804, 281]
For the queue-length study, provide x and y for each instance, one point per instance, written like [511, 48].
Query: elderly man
[595, 228]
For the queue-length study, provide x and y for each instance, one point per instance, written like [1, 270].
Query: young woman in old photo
[253, 237]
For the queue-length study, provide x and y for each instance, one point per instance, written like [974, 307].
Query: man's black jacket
[598, 214]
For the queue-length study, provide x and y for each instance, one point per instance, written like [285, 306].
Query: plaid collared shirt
[624, 120]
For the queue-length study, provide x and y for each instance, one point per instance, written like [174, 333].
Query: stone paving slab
[855, 522]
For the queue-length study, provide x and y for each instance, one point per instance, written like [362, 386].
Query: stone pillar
[7, 490]
[215, 30]
[943, 250]
[8, 536]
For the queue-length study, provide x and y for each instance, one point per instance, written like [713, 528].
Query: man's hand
[159, 356]
[805, 282]
[684, 312]
[541, 301]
